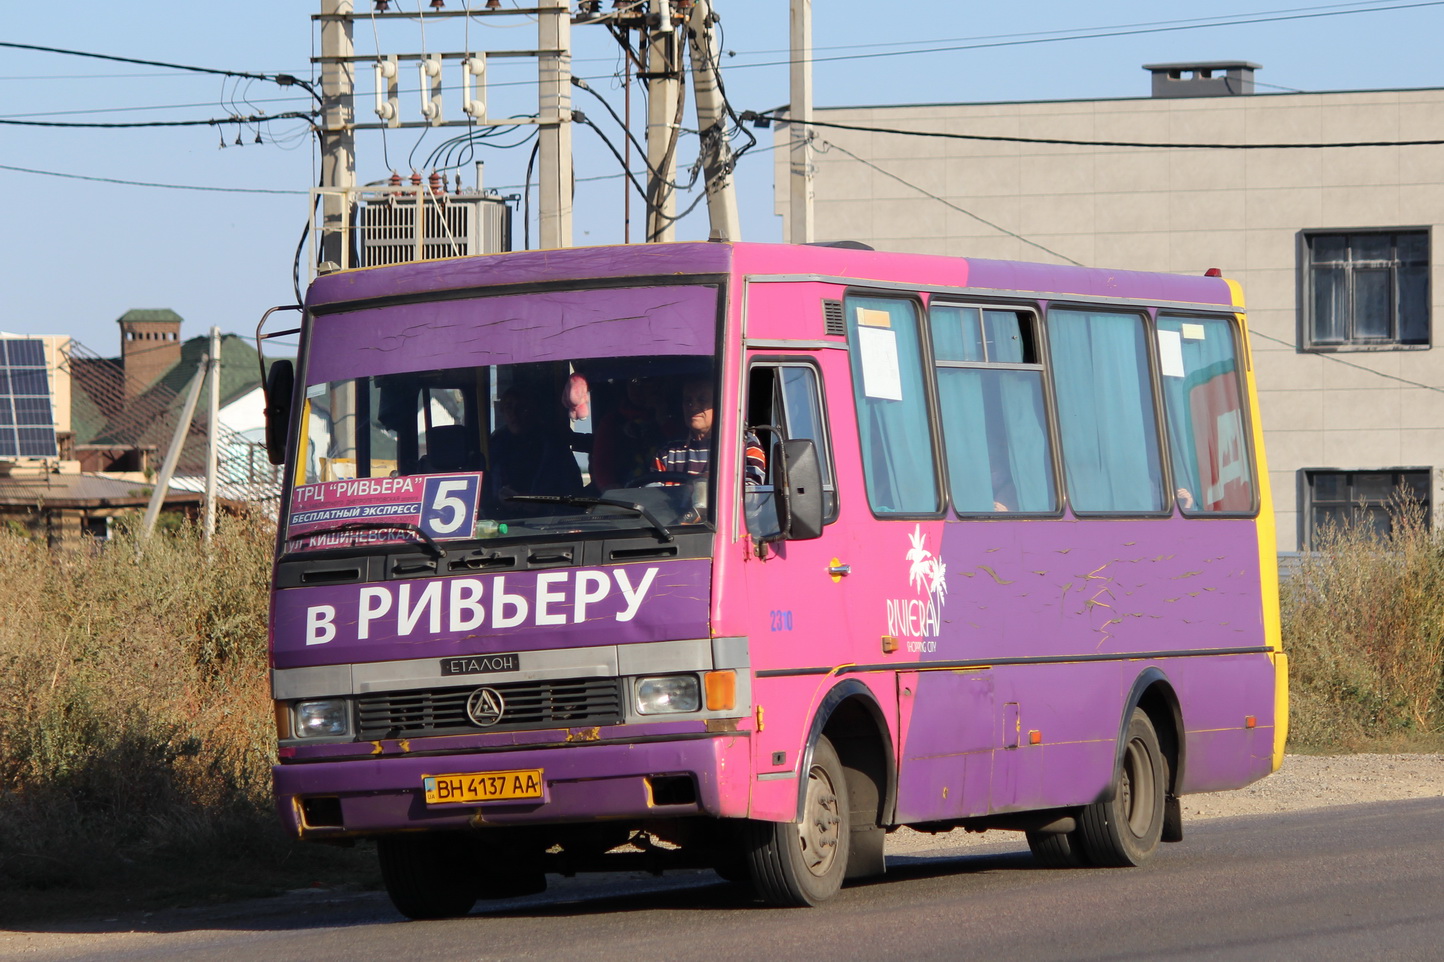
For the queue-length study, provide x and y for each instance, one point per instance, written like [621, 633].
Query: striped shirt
[693, 456]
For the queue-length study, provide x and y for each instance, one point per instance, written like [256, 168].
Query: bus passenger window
[1111, 459]
[1208, 439]
[892, 411]
[995, 428]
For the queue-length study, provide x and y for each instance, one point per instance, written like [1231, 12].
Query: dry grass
[1363, 621]
[136, 733]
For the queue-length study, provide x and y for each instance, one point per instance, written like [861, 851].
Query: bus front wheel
[428, 876]
[802, 863]
[1126, 829]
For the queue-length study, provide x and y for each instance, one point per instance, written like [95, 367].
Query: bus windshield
[523, 446]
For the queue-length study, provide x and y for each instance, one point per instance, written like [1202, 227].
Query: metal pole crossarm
[434, 15]
[504, 122]
[371, 58]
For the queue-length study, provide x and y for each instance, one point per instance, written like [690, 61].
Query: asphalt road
[1353, 882]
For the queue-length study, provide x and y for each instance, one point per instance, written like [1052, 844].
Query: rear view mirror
[802, 496]
[280, 385]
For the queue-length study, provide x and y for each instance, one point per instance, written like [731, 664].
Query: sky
[85, 238]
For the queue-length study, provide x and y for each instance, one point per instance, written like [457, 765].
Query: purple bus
[743, 556]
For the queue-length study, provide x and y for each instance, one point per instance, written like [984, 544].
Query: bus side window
[1111, 458]
[995, 427]
[885, 352]
[784, 403]
[1208, 437]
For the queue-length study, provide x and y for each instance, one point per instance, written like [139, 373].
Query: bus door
[796, 614]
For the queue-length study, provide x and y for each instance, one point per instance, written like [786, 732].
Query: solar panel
[27, 417]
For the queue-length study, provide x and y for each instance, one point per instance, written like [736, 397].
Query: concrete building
[1331, 244]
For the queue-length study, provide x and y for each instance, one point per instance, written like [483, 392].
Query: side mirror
[280, 385]
[800, 486]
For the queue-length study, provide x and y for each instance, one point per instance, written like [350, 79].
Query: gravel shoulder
[1303, 782]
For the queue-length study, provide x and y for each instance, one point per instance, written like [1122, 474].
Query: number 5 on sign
[448, 505]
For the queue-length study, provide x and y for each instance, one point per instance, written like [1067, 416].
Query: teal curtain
[960, 391]
[1030, 460]
[892, 414]
[1105, 411]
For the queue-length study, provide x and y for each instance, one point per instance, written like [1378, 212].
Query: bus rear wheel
[802, 863]
[1126, 829]
[428, 876]
[1057, 849]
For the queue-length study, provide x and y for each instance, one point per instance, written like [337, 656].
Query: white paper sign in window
[881, 373]
[1170, 353]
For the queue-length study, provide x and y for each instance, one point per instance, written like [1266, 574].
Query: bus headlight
[317, 718]
[666, 694]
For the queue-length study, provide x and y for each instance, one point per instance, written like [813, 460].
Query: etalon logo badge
[485, 707]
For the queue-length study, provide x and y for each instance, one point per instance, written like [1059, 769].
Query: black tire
[797, 864]
[429, 876]
[1057, 849]
[1126, 829]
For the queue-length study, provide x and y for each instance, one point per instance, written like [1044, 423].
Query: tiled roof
[82, 491]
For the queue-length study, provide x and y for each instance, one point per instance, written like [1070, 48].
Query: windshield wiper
[376, 526]
[580, 502]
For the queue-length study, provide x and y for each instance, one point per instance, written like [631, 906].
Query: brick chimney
[1212, 78]
[149, 346]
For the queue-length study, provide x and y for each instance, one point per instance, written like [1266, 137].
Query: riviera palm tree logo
[920, 619]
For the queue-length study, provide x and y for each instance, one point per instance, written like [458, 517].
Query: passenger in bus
[692, 454]
[577, 399]
[449, 448]
[528, 456]
[628, 434]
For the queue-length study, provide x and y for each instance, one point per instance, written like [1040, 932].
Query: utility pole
[338, 138]
[213, 440]
[712, 122]
[664, 121]
[799, 220]
[554, 65]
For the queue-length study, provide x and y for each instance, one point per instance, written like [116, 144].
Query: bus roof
[675, 260]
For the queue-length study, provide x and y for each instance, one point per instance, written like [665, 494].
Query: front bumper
[583, 783]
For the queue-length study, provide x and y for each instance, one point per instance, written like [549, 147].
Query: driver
[692, 454]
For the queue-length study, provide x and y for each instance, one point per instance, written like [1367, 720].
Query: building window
[1366, 289]
[1364, 498]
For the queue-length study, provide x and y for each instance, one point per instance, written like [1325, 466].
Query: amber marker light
[721, 688]
[1035, 737]
[1250, 721]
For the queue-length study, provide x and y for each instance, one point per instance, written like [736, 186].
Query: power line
[284, 79]
[213, 122]
[948, 203]
[1065, 33]
[119, 110]
[773, 116]
[1359, 367]
[143, 183]
[1126, 32]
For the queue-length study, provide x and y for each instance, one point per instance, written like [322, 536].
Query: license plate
[482, 787]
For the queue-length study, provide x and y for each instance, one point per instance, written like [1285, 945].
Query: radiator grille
[441, 711]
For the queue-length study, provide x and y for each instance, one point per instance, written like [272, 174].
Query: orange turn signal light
[721, 687]
[1035, 737]
[1250, 721]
